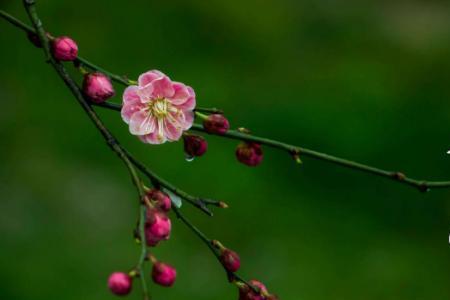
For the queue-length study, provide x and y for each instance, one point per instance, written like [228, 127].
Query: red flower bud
[247, 293]
[120, 283]
[216, 123]
[64, 48]
[230, 260]
[194, 145]
[157, 227]
[161, 199]
[97, 87]
[164, 274]
[249, 153]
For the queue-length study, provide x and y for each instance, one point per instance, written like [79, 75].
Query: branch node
[423, 187]
[296, 155]
[398, 176]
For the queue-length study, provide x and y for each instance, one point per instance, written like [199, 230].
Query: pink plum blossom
[158, 109]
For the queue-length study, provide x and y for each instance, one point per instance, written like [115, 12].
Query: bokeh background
[366, 80]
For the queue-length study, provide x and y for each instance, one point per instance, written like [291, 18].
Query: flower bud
[157, 227]
[247, 293]
[194, 145]
[249, 153]
[120, 283]
[230, 260]
[64, 48]
[164, 274]
[216, 123]
[161, 199]
[97, 87]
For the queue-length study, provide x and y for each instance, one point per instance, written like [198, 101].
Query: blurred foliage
[366, 80]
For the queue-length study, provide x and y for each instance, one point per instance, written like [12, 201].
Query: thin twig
[209, 110]
[422, 185]
[209, 243]
[200, 203]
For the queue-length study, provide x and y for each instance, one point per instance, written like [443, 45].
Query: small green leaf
[176, 200]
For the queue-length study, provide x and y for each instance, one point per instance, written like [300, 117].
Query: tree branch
[109, 138]
[421, 185]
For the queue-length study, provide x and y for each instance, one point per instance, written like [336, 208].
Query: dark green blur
[364, 80]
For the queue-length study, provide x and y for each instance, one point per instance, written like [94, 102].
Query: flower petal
[172, 130]
[149, 76]
[129, 108]
[188, 105]
[183, 119]
[188, 119]
[152, 138]
[145, 93]
[162, 88]
[181, 95]
[130, 94]
[141, 123]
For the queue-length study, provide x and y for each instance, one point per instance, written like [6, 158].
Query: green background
[365, 80]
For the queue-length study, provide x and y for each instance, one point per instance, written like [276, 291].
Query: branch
[422, 185]
[109, 138]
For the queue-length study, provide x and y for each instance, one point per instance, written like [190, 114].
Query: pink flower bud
[64, 48]
[120, 283]
[230, 260]
[164, 274]
[194, 145]
[161, 199]
[216, 123]
[97, 87]
[157, 227]
[247, 293]
[249, 153]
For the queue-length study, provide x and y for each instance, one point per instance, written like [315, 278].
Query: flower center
[159, 108]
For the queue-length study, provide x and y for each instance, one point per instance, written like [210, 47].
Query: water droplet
[189, 158]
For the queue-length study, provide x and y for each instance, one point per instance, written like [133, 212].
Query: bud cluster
[157, 228]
